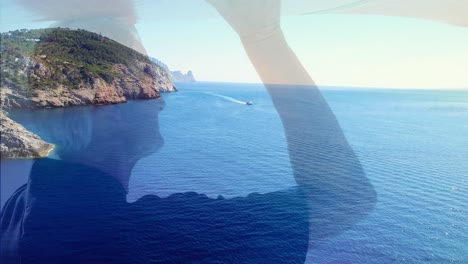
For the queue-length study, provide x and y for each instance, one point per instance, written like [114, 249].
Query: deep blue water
[412, 146]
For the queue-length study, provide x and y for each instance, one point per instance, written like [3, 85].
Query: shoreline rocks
[17, 142]
[130, 86]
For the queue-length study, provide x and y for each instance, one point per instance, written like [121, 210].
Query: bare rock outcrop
[17, 142]
[94, 91]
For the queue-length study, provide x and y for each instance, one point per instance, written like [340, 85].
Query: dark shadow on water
[75, 210]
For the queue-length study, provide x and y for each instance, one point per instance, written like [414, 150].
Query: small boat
[249, 103]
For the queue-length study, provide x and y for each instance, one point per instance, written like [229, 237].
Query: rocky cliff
[17, 142]
[63, 67]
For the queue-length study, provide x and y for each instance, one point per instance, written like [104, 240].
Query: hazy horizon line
[339, 87]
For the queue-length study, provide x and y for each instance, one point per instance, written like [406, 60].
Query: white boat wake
[229, 99]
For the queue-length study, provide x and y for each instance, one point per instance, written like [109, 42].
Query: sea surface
[412, 144]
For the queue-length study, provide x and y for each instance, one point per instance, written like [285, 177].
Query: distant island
[58, 67]
[175, 76]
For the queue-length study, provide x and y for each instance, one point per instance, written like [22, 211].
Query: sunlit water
[412, 145]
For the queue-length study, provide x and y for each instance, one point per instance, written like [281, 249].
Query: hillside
[61, 67]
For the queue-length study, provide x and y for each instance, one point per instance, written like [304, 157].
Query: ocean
[412, 145]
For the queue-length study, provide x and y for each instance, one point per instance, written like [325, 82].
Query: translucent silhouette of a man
[74, 210]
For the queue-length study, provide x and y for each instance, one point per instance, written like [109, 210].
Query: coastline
[42, 154]
[47, 151]
[19, 143]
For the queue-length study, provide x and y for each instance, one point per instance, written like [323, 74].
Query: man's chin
[148, 149]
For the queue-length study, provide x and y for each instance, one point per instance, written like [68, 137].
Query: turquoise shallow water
[411, 144]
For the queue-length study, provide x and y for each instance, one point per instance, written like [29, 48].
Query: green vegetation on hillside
[45, 58]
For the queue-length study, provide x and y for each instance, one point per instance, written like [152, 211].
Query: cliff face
[17, 142]
[62, 67]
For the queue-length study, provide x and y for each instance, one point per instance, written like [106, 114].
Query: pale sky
[337, 49]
